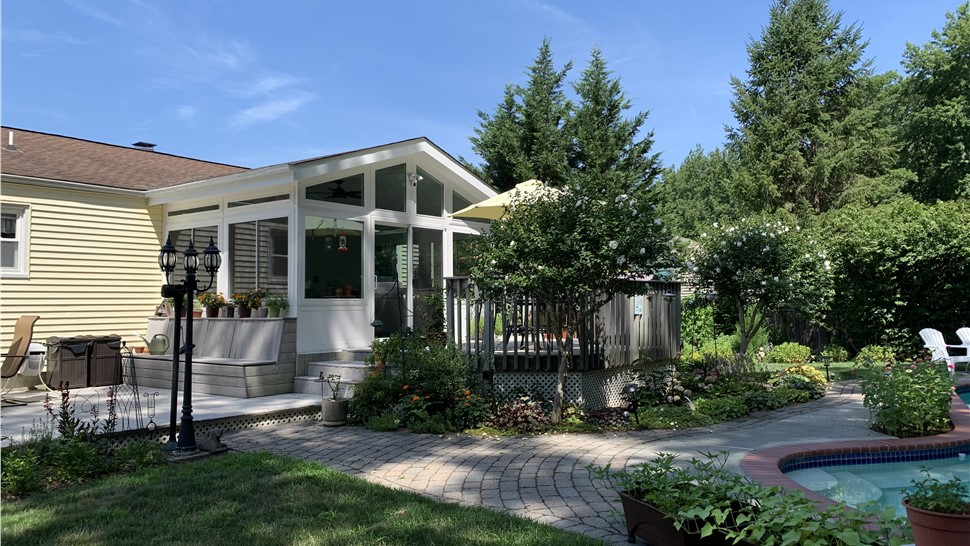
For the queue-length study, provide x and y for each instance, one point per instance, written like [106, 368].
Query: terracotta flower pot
[937, 529]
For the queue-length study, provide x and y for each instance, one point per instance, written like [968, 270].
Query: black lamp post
[184, 292]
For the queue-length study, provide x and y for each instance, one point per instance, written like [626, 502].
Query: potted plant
[212, 303]
[703, 503]
[333, 409]
[247, 301]
[276, 303]
[939, 512]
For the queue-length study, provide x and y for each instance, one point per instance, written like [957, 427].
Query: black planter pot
[648, 523]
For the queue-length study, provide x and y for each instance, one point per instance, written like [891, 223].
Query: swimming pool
[879, 477]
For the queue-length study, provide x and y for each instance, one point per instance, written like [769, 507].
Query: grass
[257, 498]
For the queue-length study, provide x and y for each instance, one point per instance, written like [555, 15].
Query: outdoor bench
[244, 358]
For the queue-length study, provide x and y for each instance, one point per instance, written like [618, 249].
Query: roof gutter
[76, 186]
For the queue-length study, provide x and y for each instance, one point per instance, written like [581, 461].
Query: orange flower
[415, 398]
[467, 392]
[405, 387]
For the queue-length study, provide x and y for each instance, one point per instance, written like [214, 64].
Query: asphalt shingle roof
[55, 157]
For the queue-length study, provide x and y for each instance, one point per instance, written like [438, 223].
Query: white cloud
[262, 85]
[186, 112]
[94, 11]
[271, 110]
[38, 37]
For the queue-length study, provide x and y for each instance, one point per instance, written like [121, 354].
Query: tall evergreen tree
[936, 131]
[699, 192]
[603, 139]
[525, 139]
[798, 146]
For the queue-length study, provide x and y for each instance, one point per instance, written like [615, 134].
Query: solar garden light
[630, 395]
[182, 293]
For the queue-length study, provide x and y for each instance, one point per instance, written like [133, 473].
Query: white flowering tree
[567, 245]
[764, 265]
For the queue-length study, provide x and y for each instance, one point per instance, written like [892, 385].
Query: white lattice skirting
[592, 390]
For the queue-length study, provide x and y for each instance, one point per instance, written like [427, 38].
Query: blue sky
[260, 82]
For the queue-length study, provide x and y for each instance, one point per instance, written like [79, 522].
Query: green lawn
[241, 499]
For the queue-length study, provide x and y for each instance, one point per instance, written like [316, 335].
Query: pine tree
[798, 145]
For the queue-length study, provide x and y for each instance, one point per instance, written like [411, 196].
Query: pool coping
[764, 465]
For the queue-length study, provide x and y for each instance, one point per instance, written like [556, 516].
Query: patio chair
[16, 356]
[933, 340]
[964, 335]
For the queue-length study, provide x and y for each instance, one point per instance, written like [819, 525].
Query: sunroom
[353, 240]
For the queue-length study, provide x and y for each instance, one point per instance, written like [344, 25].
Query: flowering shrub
[470, 410]
[910, 398]
[763, 265]
[808, 372]
[211, 299]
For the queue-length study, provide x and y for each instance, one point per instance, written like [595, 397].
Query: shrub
[430, 424]
[808, 372]
[812, 390]
[522, 415]
[385, 422]
[722, 409]
[138, 454]
[909, 399]
[876, 353]
[790, 353]
[836, 353]
[765, 400]
[373, 396]
[793, 395]
[20, 471]
[76, 459]
[470, 410]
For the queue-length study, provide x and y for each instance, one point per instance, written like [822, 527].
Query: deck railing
[518, 333]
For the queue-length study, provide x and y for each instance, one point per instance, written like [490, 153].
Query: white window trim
[20, 270]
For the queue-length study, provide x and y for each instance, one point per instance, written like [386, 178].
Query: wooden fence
[515, 333]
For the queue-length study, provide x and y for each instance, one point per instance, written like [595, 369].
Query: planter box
[654, 527]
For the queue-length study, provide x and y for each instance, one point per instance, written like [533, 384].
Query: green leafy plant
[909, 399]
[722, 409]
[810, 373]
[277, 301]
[385, 422]
[21, 472]
[374, 396]
[138, 454]
[790, 353]
[876, 353]
[836, 353]
[949, 497]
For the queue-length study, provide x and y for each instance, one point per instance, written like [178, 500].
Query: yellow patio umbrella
[494, 208]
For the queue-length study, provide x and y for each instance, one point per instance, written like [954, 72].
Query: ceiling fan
[338, 192]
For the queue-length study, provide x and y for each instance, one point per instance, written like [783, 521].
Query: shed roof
[55, 157]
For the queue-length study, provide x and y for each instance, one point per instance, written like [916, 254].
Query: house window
[198, 236]
[333, 258]
[258, 255]
[430, 194]
[458, 202]
[13, 240]
[390, 188]
[348, 191]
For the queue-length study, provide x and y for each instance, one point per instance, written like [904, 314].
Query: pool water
[884, 483]
[965, 396]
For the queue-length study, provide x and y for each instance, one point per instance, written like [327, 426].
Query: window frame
[22, 239]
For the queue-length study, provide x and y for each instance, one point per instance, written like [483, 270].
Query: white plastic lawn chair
[933, 340]
[964, 335]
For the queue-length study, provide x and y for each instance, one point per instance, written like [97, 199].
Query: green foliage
[876, 353]
[696, 321]
[525, 138]
[808, 120]
[429, 424]
[794, 395]
[21, 472]
[76, 459]
[671, 417]
[374, 396]
[763, 265]
[765, 400]
[790, 353]
[836, 353]
[722, 409]
[936, 92]
[898, 268]
[810, 373]
[950, 497]
[909, 399]
[470, 410]
[797, 388]
[699, 192]
[385, 422]
[138, 454]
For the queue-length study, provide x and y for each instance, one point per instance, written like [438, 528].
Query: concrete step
[350, 372]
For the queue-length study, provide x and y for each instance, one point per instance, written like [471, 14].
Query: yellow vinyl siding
[92, 265]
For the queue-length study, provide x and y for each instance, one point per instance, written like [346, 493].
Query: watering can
[158, 345]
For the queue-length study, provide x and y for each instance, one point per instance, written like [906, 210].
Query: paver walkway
[544, 478]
